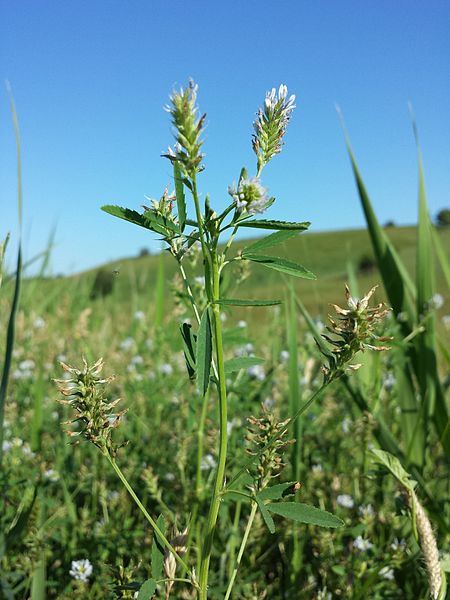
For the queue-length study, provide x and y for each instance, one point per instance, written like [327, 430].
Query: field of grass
[71, 506]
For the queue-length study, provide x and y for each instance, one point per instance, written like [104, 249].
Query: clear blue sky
[90, 79]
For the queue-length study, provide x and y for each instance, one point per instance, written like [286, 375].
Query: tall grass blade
[159, 293]
[15, 301]
[396, 280]
[435, 405]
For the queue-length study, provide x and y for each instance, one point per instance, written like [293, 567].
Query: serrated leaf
[393, 465]
[179, 192]
[281, 264]
[278, 237]
[275, 492]
[204, 353]
[271, 224]
[265, 515]
[241, 362]
[235, 302]
[305, 513]
[147, 590]
[157, 554]
[148, 220]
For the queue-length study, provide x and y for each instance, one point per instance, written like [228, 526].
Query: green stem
[200, 437]
[164, 541]
[223, 438]
[241, 549]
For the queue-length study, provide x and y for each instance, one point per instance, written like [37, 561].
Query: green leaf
[147, 590]
[158, 550]
[304, 513]
[148, 220]
[234, 302]
[204, 353]
[266, 224]
[393, 465]
[275, 492]
[281, 264]
[271, 240]
[265, 515]
[179, 191]
[189, 347]
[242, 362]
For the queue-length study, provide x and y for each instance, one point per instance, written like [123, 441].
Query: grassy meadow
[71, 506]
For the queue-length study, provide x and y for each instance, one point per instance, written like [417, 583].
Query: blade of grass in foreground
[15, 301]
[432, 393]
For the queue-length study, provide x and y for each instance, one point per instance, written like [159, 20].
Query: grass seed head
[95, 416]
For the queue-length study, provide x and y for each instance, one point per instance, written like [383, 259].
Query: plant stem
[164, 541]
[241, 549]
[223, 437]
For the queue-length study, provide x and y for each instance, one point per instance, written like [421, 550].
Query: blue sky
[90, 79]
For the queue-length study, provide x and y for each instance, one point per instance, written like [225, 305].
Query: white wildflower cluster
[256, 372]
[38, 323]
[387, 573]
[436, 302]
[81, 570]
[345, 500]
[25, 369]
[208, 462]
[127, 344]
[271, 123]
[250, 196]
[362, 544]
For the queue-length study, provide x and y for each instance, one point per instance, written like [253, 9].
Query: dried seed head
[354, 329]
[261, 432]
[428, 545]
[94, 414]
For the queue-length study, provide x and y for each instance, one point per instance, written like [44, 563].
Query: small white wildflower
[127, 344]
[436, 302]
[366, 511]
[51, 475]
[387, 573]
[398, 544]
[166, 369]
[345, 500]
[362, 544]
[112, 495]
[256, 372]
[446, 321]
[346, 424]
[223, 317]
[389, 381]
[200, 280]
[242, 324]
[61, 358]
[6, 446]
[39, 323]
[137, 360]
[317, 468]
[284, 356]
[81, 570]
[324, 594]
[269, 403]
[27, 365]
[250, 196]
[139, 315]
[169, 477]
[208, 462]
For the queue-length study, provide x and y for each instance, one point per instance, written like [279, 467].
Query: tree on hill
[443, 218]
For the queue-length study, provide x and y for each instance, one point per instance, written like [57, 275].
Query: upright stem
[241, 549]
[164, 541]
[223, 438]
